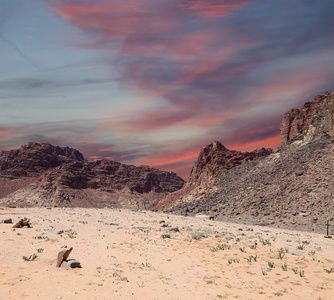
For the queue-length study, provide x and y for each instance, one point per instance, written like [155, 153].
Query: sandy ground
[129, 255]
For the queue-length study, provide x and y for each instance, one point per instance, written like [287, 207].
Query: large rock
[215, 159]
[46, 175]
[291, 188]
[314, 118]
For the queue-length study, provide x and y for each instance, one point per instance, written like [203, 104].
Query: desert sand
[127, 254]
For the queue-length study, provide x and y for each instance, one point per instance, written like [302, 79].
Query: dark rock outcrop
[314, 118]
[214, 159]
[34, 158]
[42, 174]
[291, 188]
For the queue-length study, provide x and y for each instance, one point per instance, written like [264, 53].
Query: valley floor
[126, 254]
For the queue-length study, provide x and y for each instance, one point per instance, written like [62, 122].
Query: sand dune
[129, 255]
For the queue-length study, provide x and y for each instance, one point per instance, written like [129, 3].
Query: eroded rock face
[34, 158]
[214, 159]
[46, 175]
[113, 176]
[314, 120]
[291, 188]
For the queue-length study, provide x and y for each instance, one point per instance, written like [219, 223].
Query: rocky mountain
[291, 188]
[212, 161]
[314, 119]
[42, 174]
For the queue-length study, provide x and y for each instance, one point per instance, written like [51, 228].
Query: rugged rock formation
[290, 188]
[42, 174]
[215, 159]
[34, 158]
[296, 123]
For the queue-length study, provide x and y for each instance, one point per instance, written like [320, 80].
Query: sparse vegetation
[265, 242]
[30, 258]
[200, 234]
[331, 270]
[281, 253]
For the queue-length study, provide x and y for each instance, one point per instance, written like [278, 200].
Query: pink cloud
[7, 133]
[214, 8]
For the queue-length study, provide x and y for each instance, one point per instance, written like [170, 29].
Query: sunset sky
[151, 82]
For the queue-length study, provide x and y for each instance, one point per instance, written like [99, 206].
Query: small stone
[7, 220]
[18, 224]
[63, 246]
[65, 265]
[63, 255]
[74, 263]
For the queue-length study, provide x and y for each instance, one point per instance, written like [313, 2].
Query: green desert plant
[281, 253]
[252, 247]
[165, 236]
[301, 273]
[271, 264]
[39, 250]
[197, 235]
[249, 258]
[235, 260]
[331, 270]
[30, 258]
[242, 249]
[284, 267]
[264, 271]
[265, 242]
[301, 247]
[295, 270]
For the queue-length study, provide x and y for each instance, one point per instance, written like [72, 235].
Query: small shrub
[242, 249]
[301, 247]
[295, 270]
[40, 250]
[281, 253]
[284, 267]
[301, 273]
[30, 258]
[271, 264]
[197, 235]
[331, 270]
[265, 242]
[165, 236]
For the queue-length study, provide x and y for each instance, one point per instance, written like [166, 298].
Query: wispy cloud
[198, 71]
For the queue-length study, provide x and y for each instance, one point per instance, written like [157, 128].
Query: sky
[151, 82]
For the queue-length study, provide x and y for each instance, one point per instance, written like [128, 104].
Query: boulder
[7, 220]
[62, 256]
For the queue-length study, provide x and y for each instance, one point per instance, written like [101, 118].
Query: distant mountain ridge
[65, 176]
